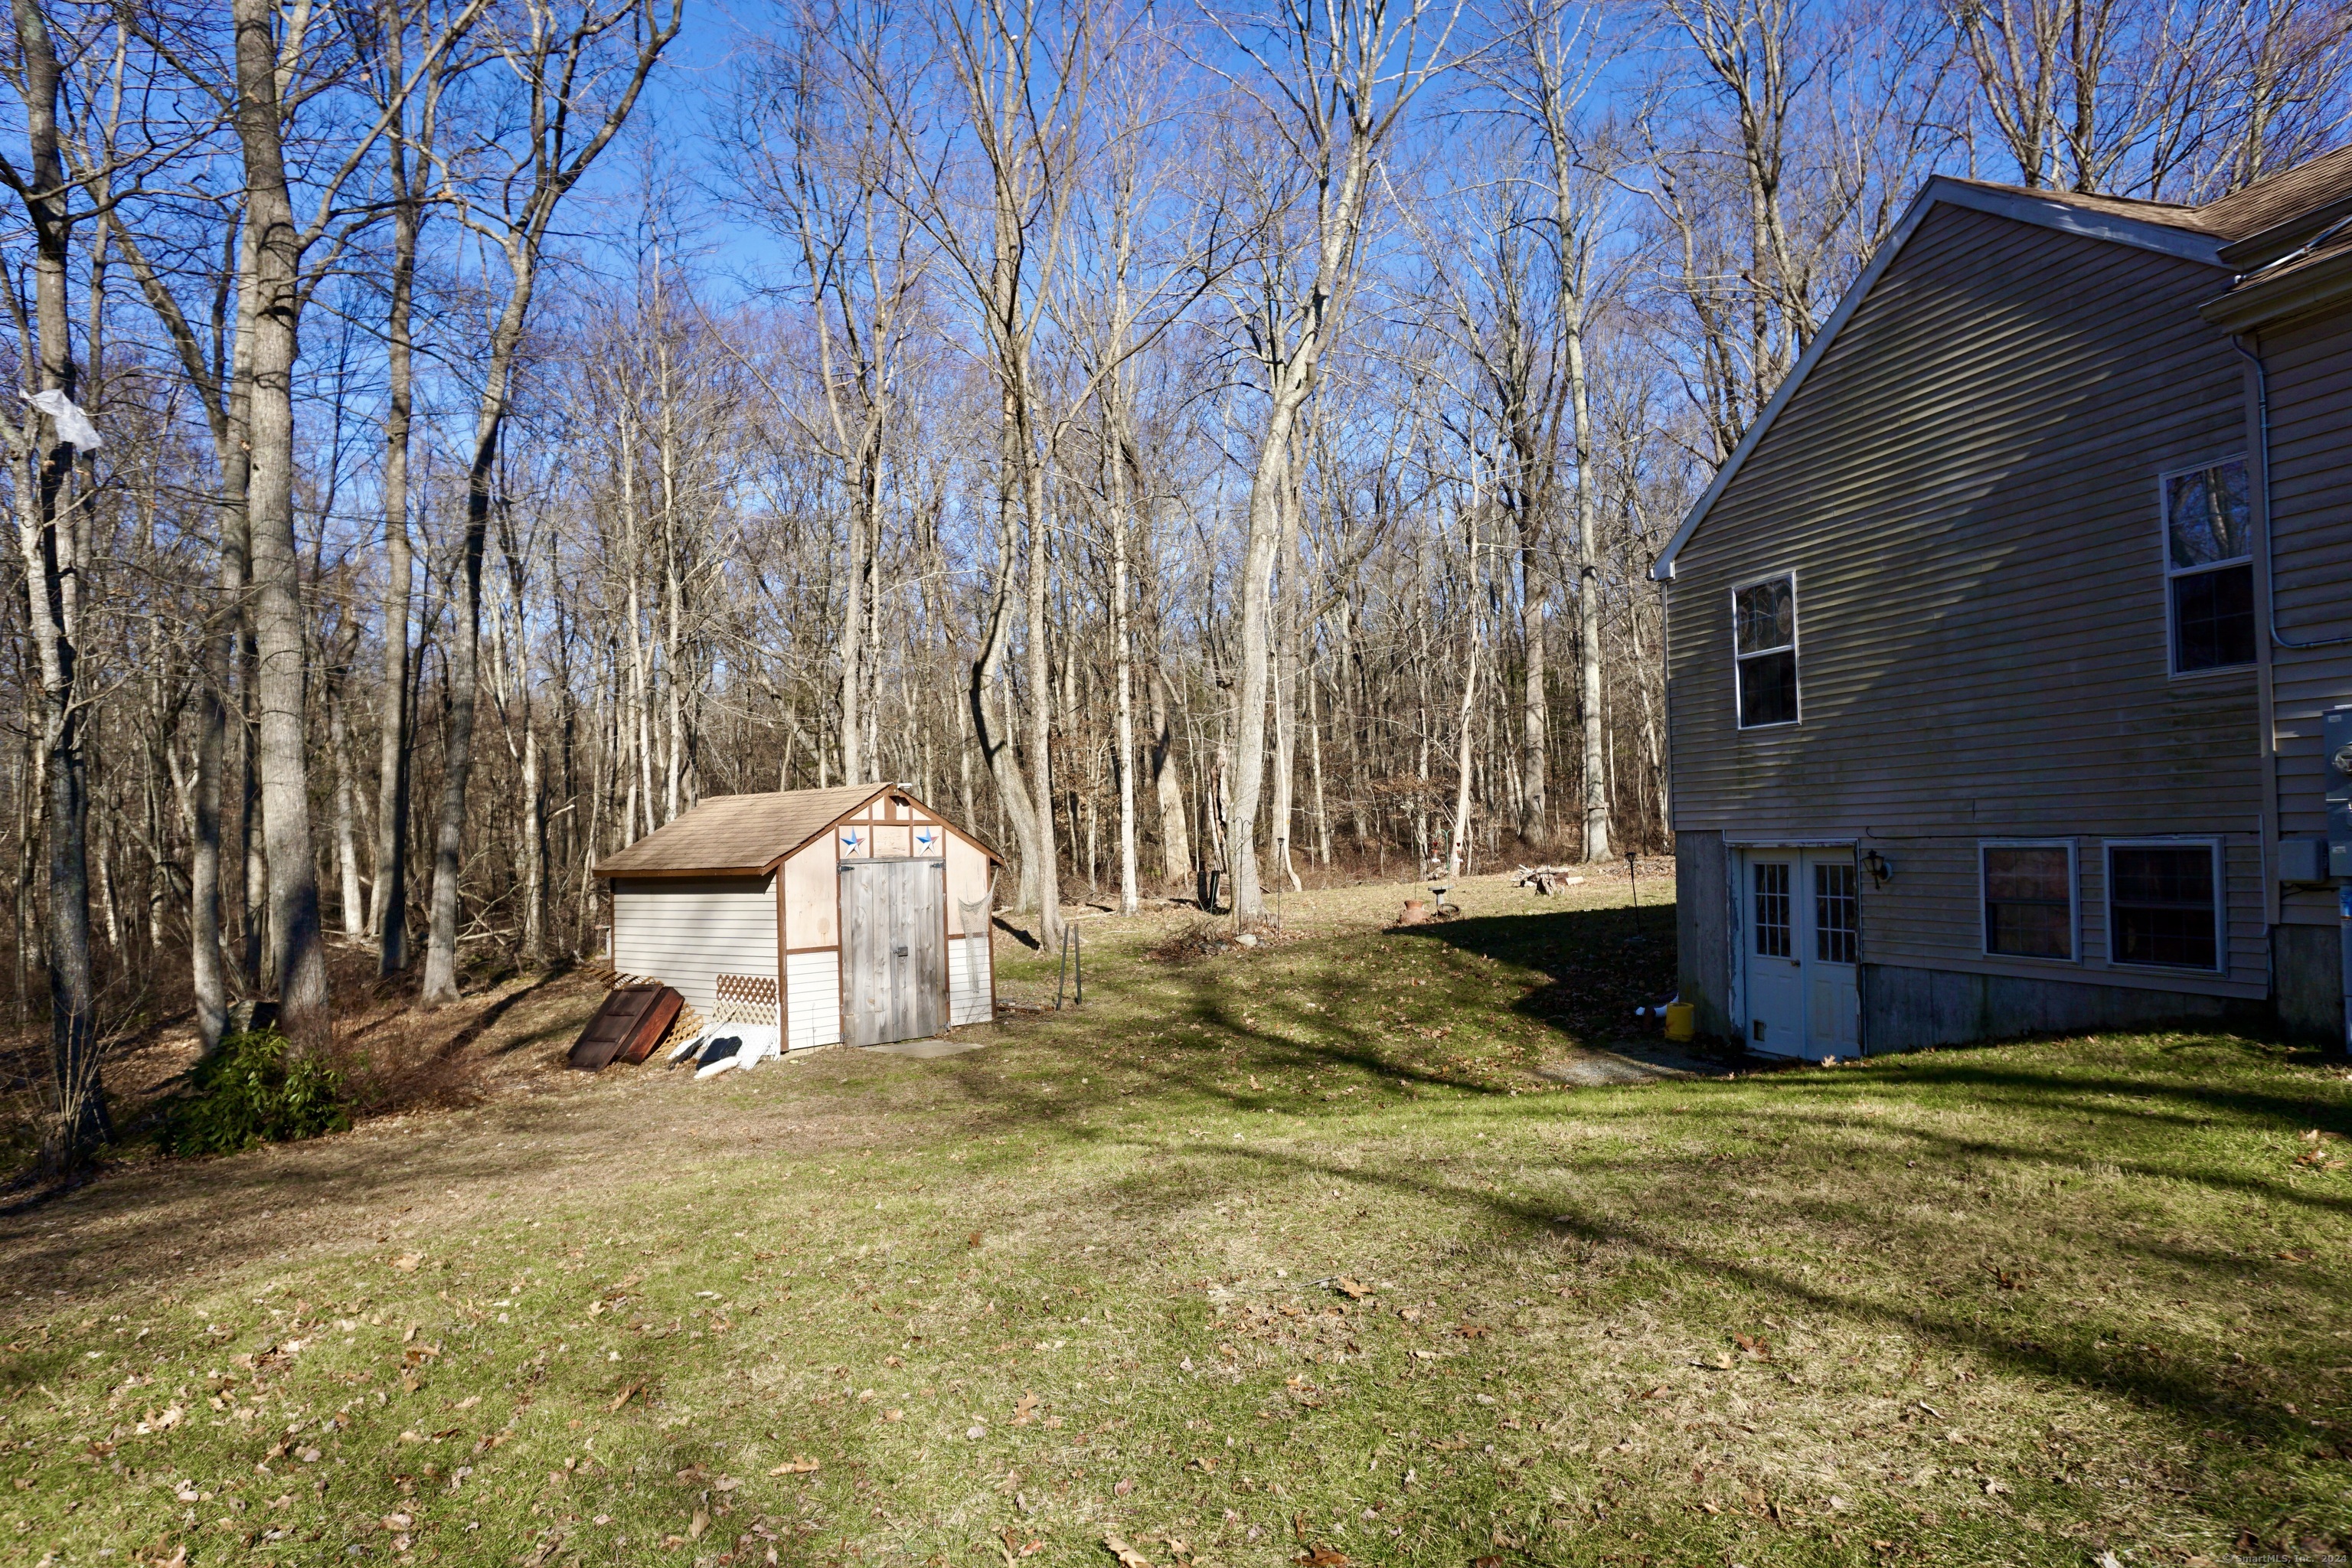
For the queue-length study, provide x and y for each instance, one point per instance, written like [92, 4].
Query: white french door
[1799, 940]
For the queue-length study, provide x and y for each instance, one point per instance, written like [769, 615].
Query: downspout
[2263, 426]
[2270, 615]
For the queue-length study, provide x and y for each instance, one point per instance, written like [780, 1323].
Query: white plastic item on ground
[724, 1051]
[760, 1043]
[689, 1045]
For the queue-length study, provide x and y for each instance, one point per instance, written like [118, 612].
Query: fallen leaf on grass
[1472, 1331]
[1024, 1409]
[624, 1397]
[1350, 1288]
[701, 1522]
[799, 1465]
[1322, 1556]
[1123, 1487]
[407, 1262]
[1128, 1557]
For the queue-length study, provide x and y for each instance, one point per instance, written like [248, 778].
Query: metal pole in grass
[1080, 999]
[1633, 875]
[1062, 971]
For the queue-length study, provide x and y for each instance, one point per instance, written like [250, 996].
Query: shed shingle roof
[737, 833]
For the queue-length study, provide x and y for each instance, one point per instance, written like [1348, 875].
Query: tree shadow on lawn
[1957, 1320]
[1915, 1275]
[1600, 963]
[1682, 1193]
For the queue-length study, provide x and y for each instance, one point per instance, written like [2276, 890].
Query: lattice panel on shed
[749, 999]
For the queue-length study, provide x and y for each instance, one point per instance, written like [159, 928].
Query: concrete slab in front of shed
[928, 1050]
[1631, 1061]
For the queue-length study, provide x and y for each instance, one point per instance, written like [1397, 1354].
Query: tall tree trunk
[1123, 658]
[534, 847]
[1534, 707]
[1457, 857]
[347, 855]
[1175, 831]
[388, 917]
[1588, 559]
[49, 539]
[464, 656]
[297, 948]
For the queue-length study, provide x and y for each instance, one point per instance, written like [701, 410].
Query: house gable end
[2020, 206]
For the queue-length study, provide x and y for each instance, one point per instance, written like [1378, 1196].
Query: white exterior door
[1799, 949]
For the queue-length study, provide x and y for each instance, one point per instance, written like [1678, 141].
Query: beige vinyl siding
[686, 931]
[2310, 368]
[1966, 488]
[811, 999]
[1929, 915]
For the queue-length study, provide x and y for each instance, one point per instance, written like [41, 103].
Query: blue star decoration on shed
[849, 840]
[924, 838]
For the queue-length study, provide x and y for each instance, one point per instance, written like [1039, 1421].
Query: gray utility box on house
[2303, 862]
[2337, 750]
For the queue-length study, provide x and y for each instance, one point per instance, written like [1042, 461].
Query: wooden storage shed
[855, 915]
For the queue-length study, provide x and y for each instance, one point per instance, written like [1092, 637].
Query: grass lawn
[1264, 1257]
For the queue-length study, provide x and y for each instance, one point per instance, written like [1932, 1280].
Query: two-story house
[1999, 651]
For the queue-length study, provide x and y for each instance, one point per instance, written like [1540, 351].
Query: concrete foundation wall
[1905, 1009]
[1703, 957]
[2307, 970]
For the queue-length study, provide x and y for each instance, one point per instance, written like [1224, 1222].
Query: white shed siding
[971, 995]
[686, 931]
[811, 999]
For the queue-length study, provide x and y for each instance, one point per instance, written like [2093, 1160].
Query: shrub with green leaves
[253, 1090]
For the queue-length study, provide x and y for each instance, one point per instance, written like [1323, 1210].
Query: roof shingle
[737, 834]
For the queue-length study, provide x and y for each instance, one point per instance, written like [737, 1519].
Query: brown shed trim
[862, 805]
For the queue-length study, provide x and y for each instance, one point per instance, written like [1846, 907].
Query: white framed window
[1764, 650]
[2027, 888]
[2209, 566]
[2166, 906]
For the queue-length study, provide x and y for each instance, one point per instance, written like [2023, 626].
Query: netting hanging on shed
[973, 916]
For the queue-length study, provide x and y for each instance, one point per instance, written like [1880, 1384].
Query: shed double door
[893, 949]
[1800, 940]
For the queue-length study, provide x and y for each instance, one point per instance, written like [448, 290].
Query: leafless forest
[1179, 439]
